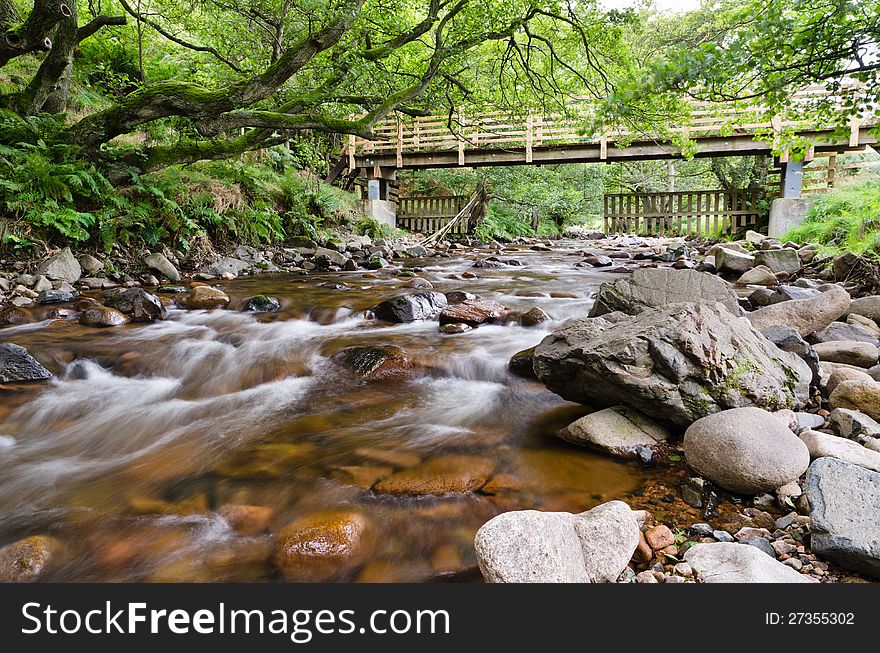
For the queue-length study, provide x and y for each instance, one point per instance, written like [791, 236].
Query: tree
[764, 52]
[269, 68]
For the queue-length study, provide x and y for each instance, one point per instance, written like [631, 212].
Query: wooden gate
[685, 212]
[428, 214]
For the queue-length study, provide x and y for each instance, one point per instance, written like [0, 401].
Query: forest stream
[148, 431]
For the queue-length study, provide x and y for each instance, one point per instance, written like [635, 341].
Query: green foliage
[502, 223]
[845, 219]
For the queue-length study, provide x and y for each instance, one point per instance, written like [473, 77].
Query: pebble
[723, 536]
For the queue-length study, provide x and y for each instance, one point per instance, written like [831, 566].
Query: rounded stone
[745, 450]
[325, 545]
[206, 298]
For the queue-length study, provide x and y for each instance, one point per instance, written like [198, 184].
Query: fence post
[352, 143]
[529, 136]
[399, 143]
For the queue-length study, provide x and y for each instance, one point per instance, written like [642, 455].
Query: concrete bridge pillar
[789, 210]
[378, 203]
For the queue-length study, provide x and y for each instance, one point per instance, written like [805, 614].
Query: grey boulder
[745, 450]
[619, 431]
[161, 264]
[409, 308]
[63, 266]
[806, 316]
[729, 562]
[17, 365]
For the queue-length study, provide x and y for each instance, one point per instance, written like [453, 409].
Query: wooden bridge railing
[498, 130]
[684, 212]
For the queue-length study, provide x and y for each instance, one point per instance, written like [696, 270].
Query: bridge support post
[379, 204]
[792, 179]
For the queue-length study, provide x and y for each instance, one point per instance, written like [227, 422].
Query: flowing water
[147, 430]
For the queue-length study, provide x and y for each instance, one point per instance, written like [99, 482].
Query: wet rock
[692, 491]
[54, 297]
[103, 316]
[657, 287]
[728, 562]
[745, 450]
[62, 267]
[331, 256]
[418, 282]
[262, 304]
[458, 296]
[657, 362]
[598, 261]
[28, 560]
[730, 261]
[806, 316]
[17, 365]
[163, 266]
[13, 315]
[455, 328]
[528, 546]
[853, 424]
[533, 317]
[90, 264]
[378, 363]
[821, 444]
[862, 396]
[619, 431]
[441, 475]
[521, 363]
[779, 260]
[844, 502]
[324, 546]
[245, 519]
[849, 352]
[787, 339]
[205, 298]
[491, 262]
[409, 308]
[377, 263]
[759, 275]
[138, 304]
[838, 331]
[473, 312]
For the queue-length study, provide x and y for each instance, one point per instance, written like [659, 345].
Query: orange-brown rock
[441, 475]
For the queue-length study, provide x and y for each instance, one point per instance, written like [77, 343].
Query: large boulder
[779, 260]
[745, 450]
[806, 316]
[822, 445]
[17, 365]
[103, 316]
[657, 287]
[324, 546]
[161, 264]
[677, 363]
[730, 562]
[473, 312]
[619, 431]
[844, 504]
[409, 308]
[226, 266]
[529, 546]
[138, 304]
[63, 266]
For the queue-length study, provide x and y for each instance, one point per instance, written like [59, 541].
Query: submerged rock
[17, 365]
[521, 363]
[533, 317]
[324, 546]
[677, 363]
[728, 562]
[844, 504]
[378, 363]
[441, 475]
[409, 308]
[28, 560]
[529, 546]
[13, 315]
[657, 287]
[745, 450]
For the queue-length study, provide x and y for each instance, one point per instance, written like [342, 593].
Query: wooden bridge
[494, 139]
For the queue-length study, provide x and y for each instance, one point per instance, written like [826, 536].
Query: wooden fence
[428, 214]
[685, 212]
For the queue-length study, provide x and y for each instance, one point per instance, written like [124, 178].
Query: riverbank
[201, 441]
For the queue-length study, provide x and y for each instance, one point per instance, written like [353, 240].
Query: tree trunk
[49, 90]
